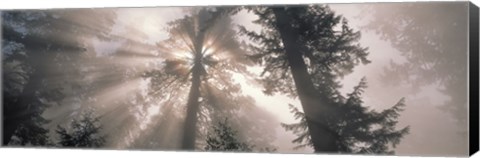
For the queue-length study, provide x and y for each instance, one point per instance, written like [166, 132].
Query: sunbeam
[337, 78]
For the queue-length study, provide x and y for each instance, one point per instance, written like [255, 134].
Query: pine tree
[304, 50]
[34, 48]
[83, 133]
[252, 123]
[434, 44]
[31, 133]
[200, 47]
[360, 130]
[224, 138]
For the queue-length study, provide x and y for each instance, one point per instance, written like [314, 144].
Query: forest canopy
[235, 79]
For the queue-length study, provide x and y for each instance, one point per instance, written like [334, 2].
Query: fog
[433, 131]
[160, 119]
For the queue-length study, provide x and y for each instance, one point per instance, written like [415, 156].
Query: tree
[84, 132]
[360, 130]
[106, 82]
[316, 47]
[224, 138]
[434, 44]
[252, 123]
[197, 45]
[34, 50]
[31, 133]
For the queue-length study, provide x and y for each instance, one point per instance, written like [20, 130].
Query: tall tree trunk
[315, 108]
[190, 130]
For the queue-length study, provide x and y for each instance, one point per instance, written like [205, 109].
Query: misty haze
[372, 78]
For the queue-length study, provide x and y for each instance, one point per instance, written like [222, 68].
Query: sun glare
[162, 78]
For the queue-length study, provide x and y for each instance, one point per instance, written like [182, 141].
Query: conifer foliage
[224, 138]
[84, 133]
[192, 90]
[305, 50]
[36, 45]
[203, 49]
[360, 130]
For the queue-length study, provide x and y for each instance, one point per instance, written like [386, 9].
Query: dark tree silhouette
[83, 133]
[360, 130]
[316, 47]
[224, 138]
[35, 48]
[31, 133]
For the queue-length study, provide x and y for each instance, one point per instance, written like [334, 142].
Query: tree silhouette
[360, 130]
[224, 138]
[197, 46]
[84, 132]
[316, 47]
[31, 133]
[253, 124]
[34, 51]
[107, 83]
[49, 61]
[434, 44]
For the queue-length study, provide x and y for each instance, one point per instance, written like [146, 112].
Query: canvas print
[358, 78]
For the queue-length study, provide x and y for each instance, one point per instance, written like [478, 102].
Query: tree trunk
[315, 108]
[190, 130]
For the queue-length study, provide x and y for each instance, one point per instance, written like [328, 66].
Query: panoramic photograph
[355, 78]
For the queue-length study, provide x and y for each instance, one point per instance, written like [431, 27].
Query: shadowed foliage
[304, 50]
[359, 129]
[34, 48]
[189, 87]
[224, 138]
[82, 133]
